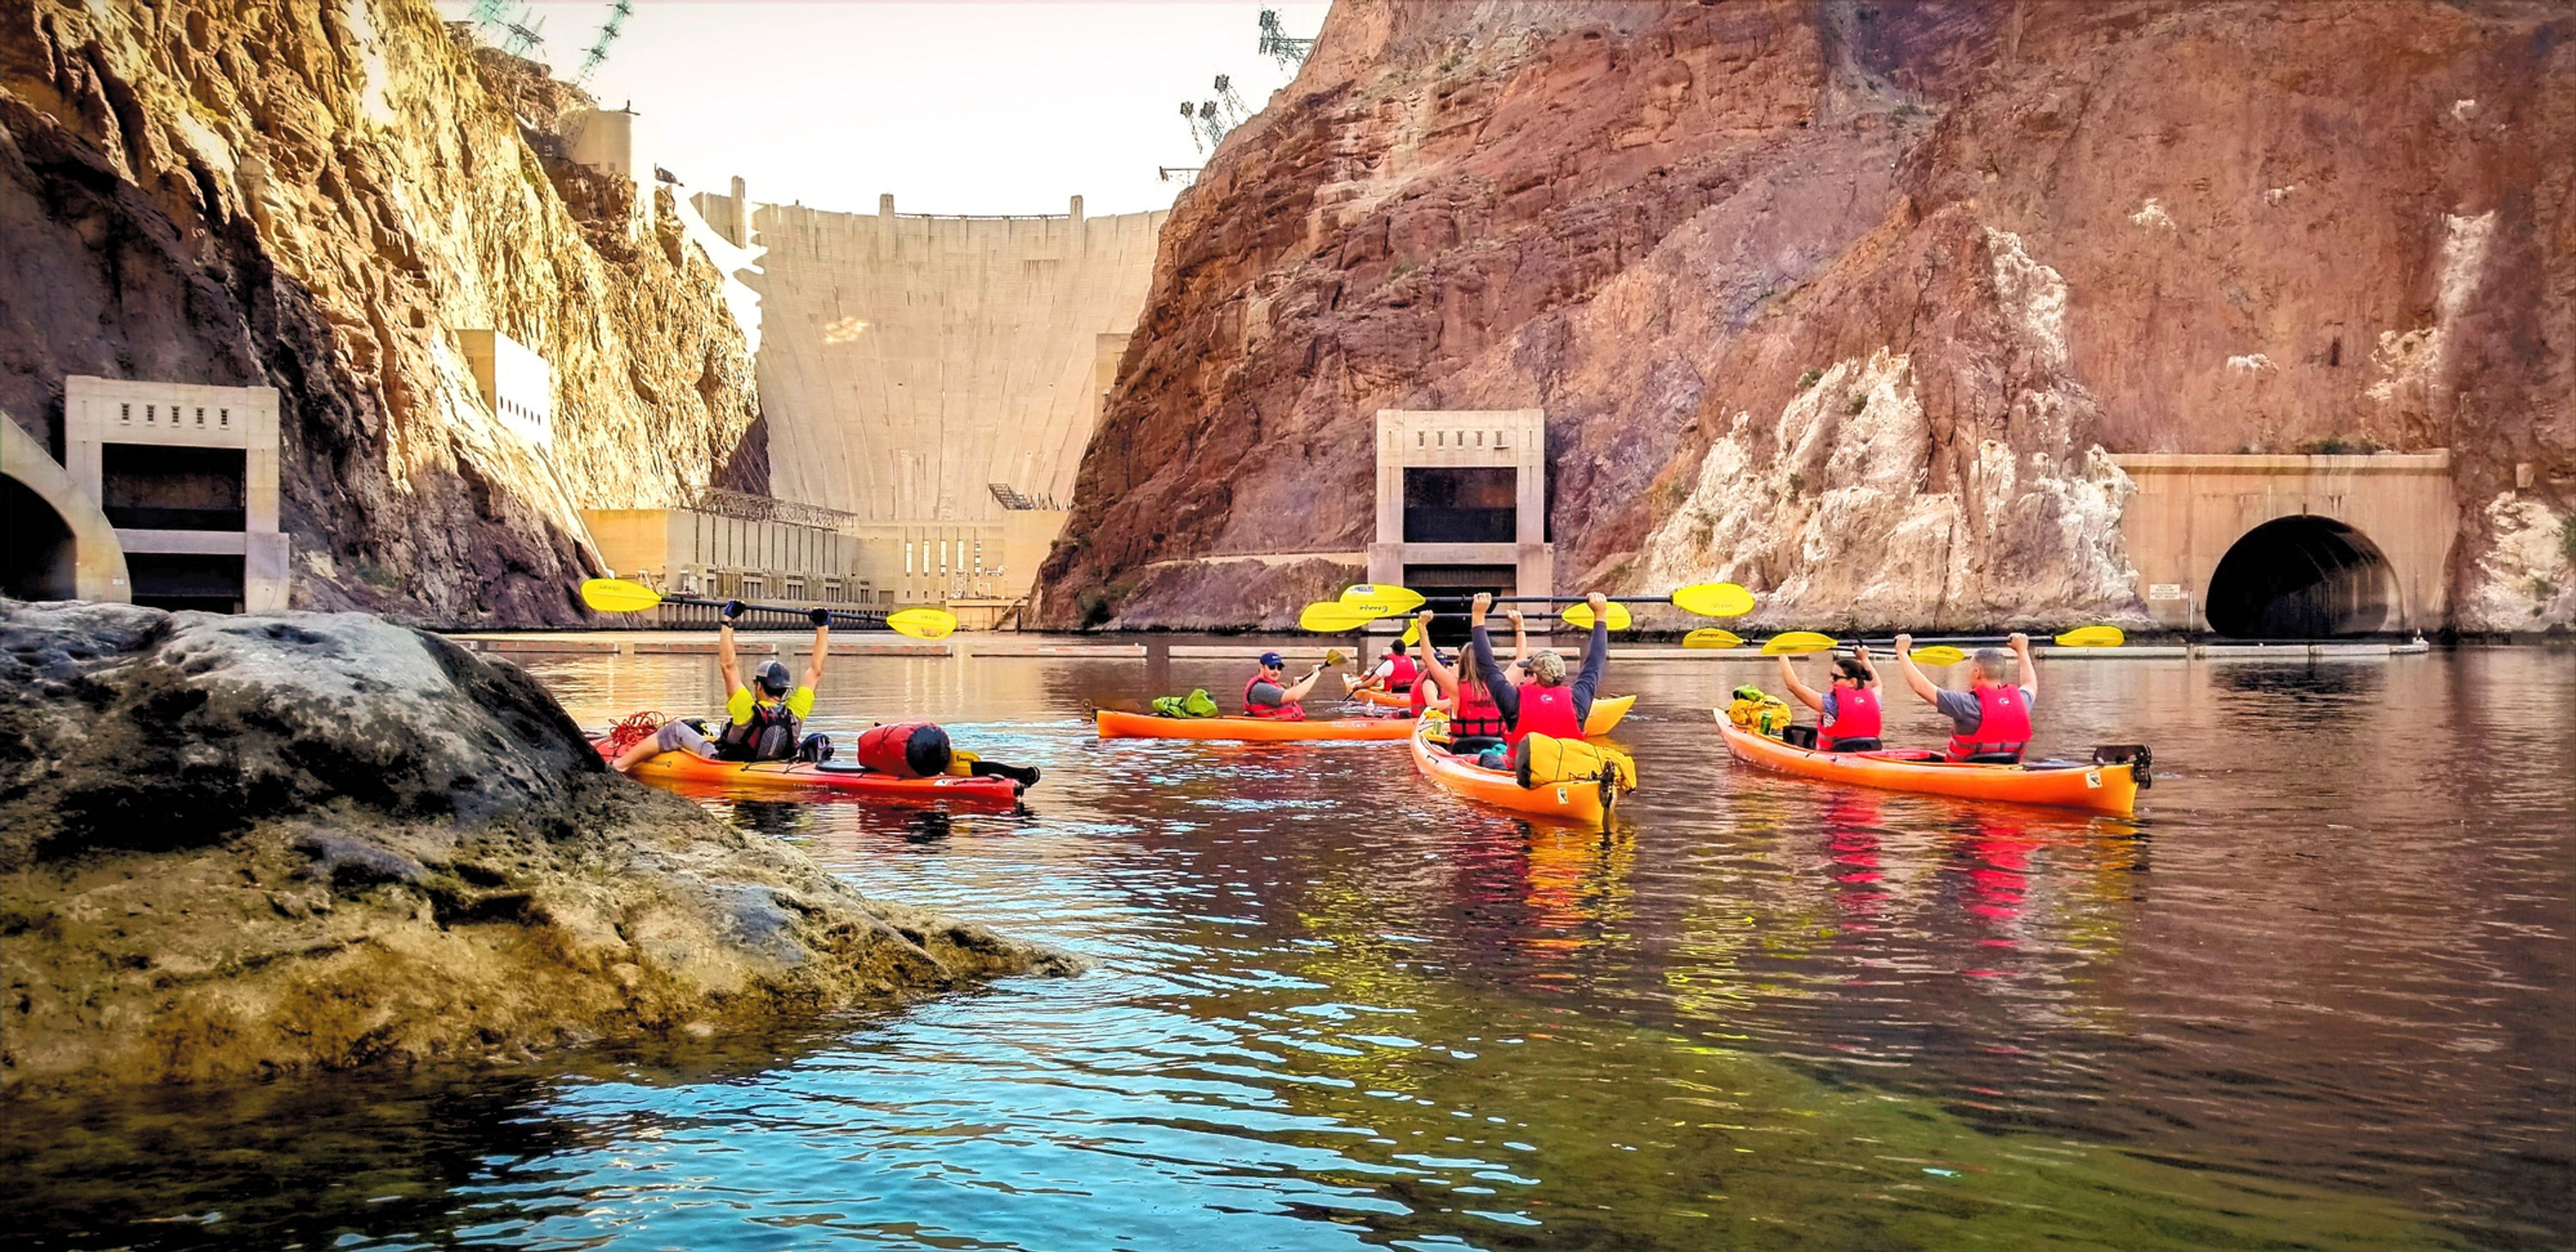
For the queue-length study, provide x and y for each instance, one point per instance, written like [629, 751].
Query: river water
[2316, 996]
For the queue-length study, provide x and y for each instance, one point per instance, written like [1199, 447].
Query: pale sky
[952, 108]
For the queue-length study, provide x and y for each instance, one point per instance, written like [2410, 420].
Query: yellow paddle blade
[1712, 637]
[1580, 616]
[1331, 618]
[1412, 634]
[1714, 600]
[1334, 657]
[1938, 654]
[922, 623]
[616, 595]
[2092, 637]
[1381, 599]
[1796, 642]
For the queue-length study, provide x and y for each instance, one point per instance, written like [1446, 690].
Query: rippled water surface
[2316, 995]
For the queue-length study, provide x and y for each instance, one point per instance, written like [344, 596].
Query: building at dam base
[929, 384]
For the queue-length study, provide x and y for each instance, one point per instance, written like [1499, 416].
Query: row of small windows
[152, 415]
[943, 555]
[1423, 439]
[514, 409]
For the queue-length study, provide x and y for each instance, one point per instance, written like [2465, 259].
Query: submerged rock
[247, 845]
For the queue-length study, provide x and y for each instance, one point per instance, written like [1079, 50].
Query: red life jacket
[1289, 712]
[1478, 718]
[2003, 725]
[1402, 674]
[1547, 711]
[1855, 716]
[1421, 697]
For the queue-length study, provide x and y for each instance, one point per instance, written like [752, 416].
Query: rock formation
[1845, 300]
[315, 197]
[245, 845]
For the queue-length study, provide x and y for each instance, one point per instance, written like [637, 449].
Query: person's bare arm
[1860, 653]
[1303, 686]
[1427, 658]
[1806, 695]
[1913, 676]
[1520, 635]
[2029, 672]
[822, 619]
[726, 661]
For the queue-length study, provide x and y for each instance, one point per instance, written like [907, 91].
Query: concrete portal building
[1462, 501]
[187, 475]
[937, 378]
[517, 384]
[2292, 546]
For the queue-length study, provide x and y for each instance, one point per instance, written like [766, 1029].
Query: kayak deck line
[2109, 788]
[839, 777]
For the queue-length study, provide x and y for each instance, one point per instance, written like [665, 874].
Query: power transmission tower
[524, 36]
[618, 12]
[1276, 45]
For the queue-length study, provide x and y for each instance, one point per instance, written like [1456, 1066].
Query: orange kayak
[1583, 804]
[1607, 711]
[2100, 788]
[837, 776]
[1116, 724]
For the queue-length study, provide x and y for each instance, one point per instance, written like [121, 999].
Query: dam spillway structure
[935, 378]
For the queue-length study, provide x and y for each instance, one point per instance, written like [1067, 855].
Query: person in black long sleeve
[1547, 706]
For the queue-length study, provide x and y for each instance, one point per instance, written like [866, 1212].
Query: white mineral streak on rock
[2279, 194]
[2033, 293]
[731, 261]
[2254, 363]
[371, 51]
[2526, 580]
[2152, 216]
[2464, 110]
[1827, 517]
[2410, 363]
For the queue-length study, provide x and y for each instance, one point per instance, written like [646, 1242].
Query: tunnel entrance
[38, 561]
[2301, 577]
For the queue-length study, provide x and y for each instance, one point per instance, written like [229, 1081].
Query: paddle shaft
[1466, 601]
[864, 621]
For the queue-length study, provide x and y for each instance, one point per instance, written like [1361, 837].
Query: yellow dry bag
[1545, 761]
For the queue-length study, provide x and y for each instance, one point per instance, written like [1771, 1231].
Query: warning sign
[2164, 591]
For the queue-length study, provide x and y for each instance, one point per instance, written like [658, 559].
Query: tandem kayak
[1607, 712]
[1115, 724]
[1581, 803]
[841, 777]
[2101, 788]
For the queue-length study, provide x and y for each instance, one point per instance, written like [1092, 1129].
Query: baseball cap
[1272, 660]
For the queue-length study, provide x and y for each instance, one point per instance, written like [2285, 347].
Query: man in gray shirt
[1989, 722]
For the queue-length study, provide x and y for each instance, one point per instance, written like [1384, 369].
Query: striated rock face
[1844, 299]
[316, 197]
[245, 845]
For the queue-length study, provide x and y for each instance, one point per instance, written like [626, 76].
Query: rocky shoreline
[248, 846]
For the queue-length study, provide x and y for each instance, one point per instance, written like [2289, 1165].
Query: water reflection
[1334, 1007]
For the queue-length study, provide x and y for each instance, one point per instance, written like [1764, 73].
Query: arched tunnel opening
[38, 561]
[2301, 578]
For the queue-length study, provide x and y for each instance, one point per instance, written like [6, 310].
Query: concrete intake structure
[938, 377]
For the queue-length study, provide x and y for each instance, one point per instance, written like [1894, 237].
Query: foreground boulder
[248, 845]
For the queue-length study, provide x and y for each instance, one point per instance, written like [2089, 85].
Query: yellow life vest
[1759, 712]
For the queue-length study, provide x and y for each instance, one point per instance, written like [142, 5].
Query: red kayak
[841, 777]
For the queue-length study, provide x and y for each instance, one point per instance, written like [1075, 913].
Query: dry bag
[1544, 761]
[905, 750]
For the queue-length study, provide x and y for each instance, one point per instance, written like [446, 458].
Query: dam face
[936, 378]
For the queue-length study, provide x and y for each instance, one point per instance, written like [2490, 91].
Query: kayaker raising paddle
[1547, 704]
[1847, 712]
[1990, 722]
[766, 720]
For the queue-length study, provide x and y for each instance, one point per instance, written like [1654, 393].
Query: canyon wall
[316, 197]
[1848, 301]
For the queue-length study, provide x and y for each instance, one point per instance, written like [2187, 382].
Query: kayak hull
[684, 767]
[1118, 724]
[2111, 789]
[1574, 803]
